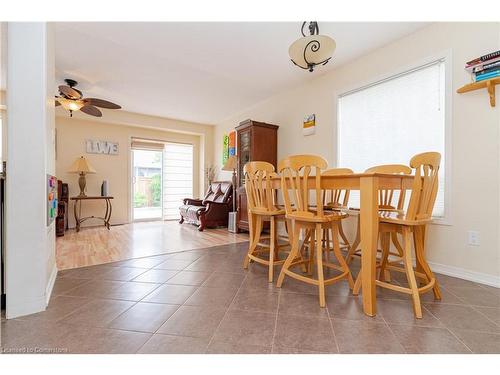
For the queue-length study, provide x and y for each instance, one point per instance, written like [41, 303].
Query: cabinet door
[242, 209]
[244, 153]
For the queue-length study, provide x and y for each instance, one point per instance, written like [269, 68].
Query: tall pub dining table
[369, 185]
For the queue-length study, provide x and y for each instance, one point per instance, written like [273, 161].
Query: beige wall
[474, 136]
[71, 136]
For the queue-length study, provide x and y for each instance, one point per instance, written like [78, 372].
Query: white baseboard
[26, 308]
[50, 284]
[461, 273]
[33, 306]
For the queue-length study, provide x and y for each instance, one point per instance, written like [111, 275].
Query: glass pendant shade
[312, 50]
[71, 105]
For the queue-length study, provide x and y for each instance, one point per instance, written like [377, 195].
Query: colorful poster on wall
[232, 143]
[309, 125]
[51, 199]
[225, 148]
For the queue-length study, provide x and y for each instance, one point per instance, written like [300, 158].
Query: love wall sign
[101, 147]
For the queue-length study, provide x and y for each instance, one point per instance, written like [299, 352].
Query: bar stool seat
[266, 212]
[311, 216]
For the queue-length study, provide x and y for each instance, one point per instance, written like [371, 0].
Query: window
[177, 177]
[391, 120]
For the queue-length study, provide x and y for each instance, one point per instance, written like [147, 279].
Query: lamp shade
[70, 104]
[231, 163]
[311, 50]
[81, 165]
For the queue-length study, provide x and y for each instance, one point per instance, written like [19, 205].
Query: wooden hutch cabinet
[255, 141]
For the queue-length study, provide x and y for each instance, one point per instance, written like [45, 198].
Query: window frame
[446, 57]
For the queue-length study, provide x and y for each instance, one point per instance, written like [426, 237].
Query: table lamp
[231, 165]
[82, 167]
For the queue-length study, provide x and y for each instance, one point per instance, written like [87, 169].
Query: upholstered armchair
[212, 210]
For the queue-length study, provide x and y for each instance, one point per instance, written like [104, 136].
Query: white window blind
[392, 120]
[177, 177]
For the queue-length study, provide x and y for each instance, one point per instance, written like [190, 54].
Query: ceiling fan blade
[102, 103]
[57, 102]
[91, 110]
[70, 92]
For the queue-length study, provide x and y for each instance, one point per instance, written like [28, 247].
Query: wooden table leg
[106, 214]
[109, 213]
[77, 219]
[369, 235]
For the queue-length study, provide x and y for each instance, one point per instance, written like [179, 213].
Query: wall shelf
[489, 84]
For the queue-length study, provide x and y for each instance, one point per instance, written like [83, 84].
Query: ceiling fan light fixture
[313, 49]
[72, 100]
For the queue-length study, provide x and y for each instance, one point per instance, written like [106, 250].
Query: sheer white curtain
[177, 177]
[392, 120]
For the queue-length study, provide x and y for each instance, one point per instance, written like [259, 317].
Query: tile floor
[202, 301]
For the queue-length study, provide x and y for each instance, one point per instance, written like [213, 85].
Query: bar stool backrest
[386, 197]
[260, 194]
[336, 198]
[425, 185]
[295, 171]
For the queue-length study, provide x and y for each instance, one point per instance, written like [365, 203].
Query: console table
[78, 210]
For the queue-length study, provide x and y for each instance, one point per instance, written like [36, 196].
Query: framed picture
[225, 148]
[309, 125]
[51, 199]
[232, 143]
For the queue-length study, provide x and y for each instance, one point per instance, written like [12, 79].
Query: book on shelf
[485, 77]
[484, 66]
[488, 56]
[488, 71]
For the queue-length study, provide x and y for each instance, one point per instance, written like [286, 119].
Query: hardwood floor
[97, 245]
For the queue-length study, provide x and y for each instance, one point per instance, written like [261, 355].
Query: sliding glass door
[147, 184]
[162, 176]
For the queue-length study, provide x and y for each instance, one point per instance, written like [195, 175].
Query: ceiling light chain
[313, 28]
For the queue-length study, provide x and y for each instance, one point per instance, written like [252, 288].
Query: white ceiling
[201, 72]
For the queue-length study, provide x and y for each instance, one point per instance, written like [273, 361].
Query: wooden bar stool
[308, 214]
[262, 207]
[336, 200]
[412, 226]
[386, 202]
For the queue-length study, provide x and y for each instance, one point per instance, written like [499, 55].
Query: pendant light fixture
[311, 50]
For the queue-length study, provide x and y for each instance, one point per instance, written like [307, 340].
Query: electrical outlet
[473, 237]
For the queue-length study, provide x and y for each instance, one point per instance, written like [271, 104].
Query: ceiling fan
[72, 100]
